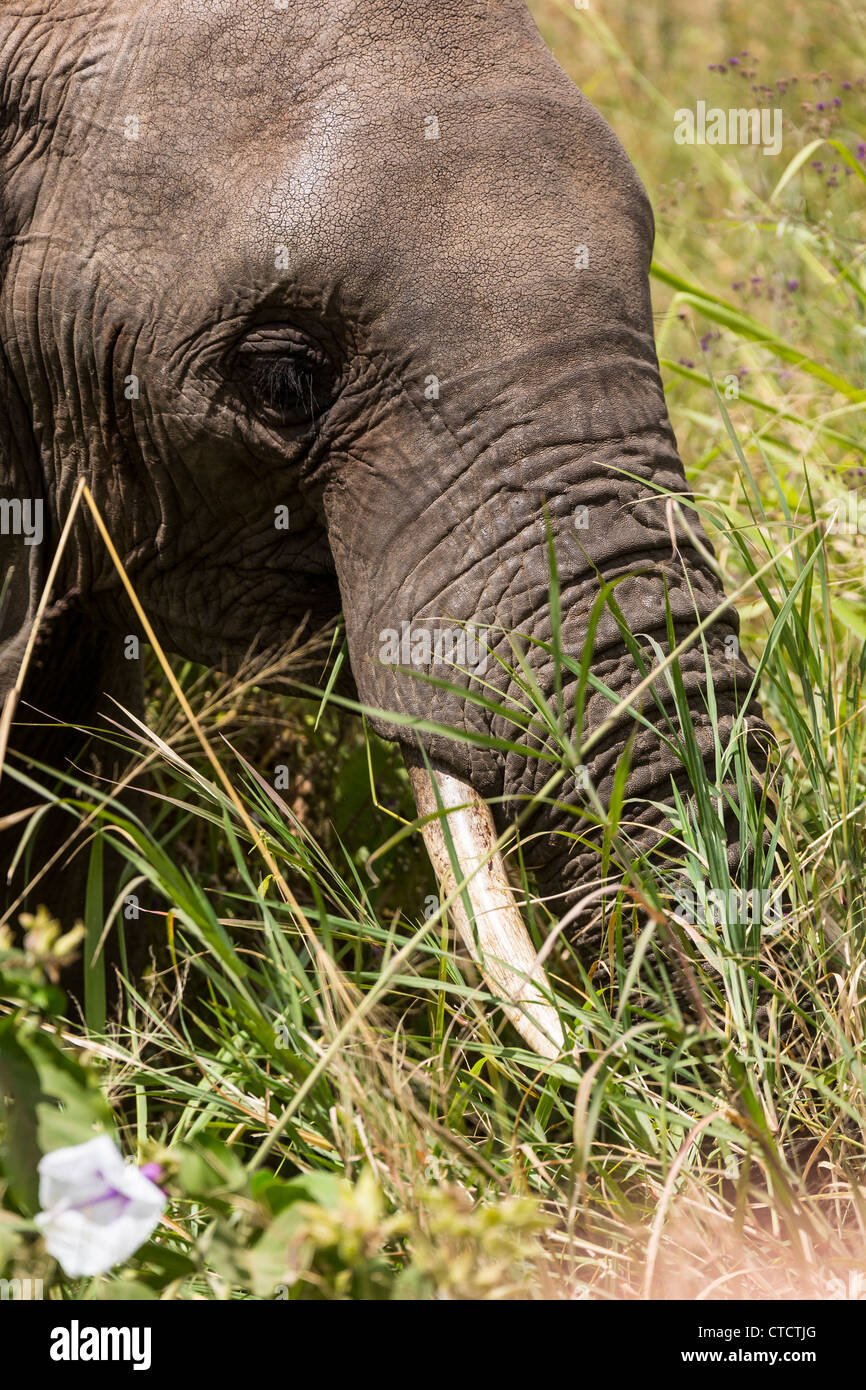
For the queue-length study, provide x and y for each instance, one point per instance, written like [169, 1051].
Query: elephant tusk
[494, 933]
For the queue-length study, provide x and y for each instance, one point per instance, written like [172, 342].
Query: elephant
[342, 307]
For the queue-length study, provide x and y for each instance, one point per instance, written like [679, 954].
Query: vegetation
[338, 1107]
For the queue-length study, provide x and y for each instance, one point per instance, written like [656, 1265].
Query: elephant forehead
[203, 65]
[405, 43]
[390, 124]
[455, 172]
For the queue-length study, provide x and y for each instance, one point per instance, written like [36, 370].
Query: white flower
[97, 1209]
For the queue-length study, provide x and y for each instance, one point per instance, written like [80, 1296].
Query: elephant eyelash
[286, 386]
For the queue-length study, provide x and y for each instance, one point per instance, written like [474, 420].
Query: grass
[338, 1105]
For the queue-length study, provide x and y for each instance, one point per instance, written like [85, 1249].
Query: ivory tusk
[498, 941]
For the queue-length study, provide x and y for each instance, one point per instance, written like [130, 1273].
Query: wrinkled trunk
[635, 537]
[605, 506]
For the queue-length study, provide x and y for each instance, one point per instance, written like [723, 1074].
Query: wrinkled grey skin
[403, 257]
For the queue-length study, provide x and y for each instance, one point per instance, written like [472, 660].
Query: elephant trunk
[661, 568]
[442, 523]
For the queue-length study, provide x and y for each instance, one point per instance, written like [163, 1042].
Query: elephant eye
[284, 378]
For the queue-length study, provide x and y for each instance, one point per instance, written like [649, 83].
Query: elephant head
[340, 306]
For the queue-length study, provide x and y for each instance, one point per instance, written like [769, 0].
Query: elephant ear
[24, 527]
